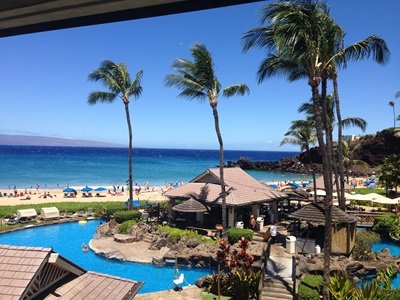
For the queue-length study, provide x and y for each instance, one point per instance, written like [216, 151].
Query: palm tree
[116, 79]
[349, 162]
[293, 40]
[302, 134]
[197, 80]
[392, 104]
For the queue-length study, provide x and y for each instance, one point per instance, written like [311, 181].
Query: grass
[365, 191]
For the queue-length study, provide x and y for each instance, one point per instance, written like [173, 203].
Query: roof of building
[96, 286]
[22, 270]
[315, 212]
[190, 205]
[241, 188]
[18, 265]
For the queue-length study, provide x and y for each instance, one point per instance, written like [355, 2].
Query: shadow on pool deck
[187, 293]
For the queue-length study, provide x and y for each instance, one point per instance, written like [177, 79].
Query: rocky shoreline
[145, 244]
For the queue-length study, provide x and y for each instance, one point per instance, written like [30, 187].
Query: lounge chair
[28, 197]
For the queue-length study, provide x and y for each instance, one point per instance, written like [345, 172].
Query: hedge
[235, 234]
[122, 216]
[310, 287]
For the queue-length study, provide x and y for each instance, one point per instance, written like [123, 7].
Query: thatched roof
[298, 194]
[315, 212]
[241, 188]
[189, 206]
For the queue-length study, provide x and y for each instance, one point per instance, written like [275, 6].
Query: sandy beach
[57, 196]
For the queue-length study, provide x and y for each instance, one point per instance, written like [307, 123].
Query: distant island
[29, 140]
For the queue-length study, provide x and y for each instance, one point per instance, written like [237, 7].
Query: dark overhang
[28, 16]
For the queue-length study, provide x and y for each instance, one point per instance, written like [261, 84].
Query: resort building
[199, 201]
[39, 273]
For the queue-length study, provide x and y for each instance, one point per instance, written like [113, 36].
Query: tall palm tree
[197, 80]
[293, 39]
[116, 78]
[302, 133]
[392, 104]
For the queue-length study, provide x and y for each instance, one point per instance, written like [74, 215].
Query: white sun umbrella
[319, 193]
[358, 197]
[346, 195]
[376, 198]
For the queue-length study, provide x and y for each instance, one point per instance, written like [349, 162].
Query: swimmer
[84, 247]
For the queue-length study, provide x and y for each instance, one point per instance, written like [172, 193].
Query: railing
[264, 259]
[365, 218]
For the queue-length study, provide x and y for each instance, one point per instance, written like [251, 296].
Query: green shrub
[122, 216]
[175, 235]
[125, 226]
[310, 287]
[363, 247]
[235, 234]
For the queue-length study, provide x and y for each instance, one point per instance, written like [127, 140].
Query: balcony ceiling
[28, 16]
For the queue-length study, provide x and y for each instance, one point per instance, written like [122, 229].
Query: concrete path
[187, 293]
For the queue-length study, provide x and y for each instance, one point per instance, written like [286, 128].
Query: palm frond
[292, 141]
[104, 97]
[397, 94]
[236, 89]
[355, 122]
[371, 46]
[135, 88]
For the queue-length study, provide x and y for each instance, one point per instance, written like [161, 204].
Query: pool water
[394, 249]
[67, 240]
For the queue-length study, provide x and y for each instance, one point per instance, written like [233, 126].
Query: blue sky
[44, 84]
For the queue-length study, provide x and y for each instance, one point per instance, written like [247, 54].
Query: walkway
[187, 293]
[278, 280]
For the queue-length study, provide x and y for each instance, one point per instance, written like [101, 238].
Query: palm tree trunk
[221, 170]
[327, 173]
[394, 118]
[312, 172]
[342, 200]
[128, 120]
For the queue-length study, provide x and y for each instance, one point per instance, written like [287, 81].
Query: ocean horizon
[57, 167]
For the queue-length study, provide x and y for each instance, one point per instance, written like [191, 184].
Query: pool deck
[187, 293]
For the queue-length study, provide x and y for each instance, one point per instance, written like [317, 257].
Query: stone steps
[149, 238]
[277, 289]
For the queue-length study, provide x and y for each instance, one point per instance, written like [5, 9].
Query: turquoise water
[394, 249]
[67, 239]
[49, 167]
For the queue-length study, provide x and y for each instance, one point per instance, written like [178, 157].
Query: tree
[302, 133]
[349, 161]
[197, 81]
[116, 78]
[293, 40]
[392, 104]
[390, 172]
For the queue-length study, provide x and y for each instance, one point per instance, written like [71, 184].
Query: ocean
[57, 167]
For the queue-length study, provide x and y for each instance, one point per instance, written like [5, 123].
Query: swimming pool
[67, 239]
[394, 249]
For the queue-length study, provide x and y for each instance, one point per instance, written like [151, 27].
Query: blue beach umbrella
[135, 203]
[86, 189]
[100, 189]
[68, 190]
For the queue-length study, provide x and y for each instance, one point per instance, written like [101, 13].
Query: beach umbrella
[86, 189]
[136, 203]
[190, 206]
[346, 195]
[358, 197]
[68, 190]
[383, 200]
[100, 189]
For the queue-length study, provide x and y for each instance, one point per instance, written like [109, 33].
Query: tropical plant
[197, 80]
[349, 161]
[310, 287]
[302, 134]
[363, 247]
[392, 104]
[116, 78]
[390, 172]
[388, 224]
[379, 288]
